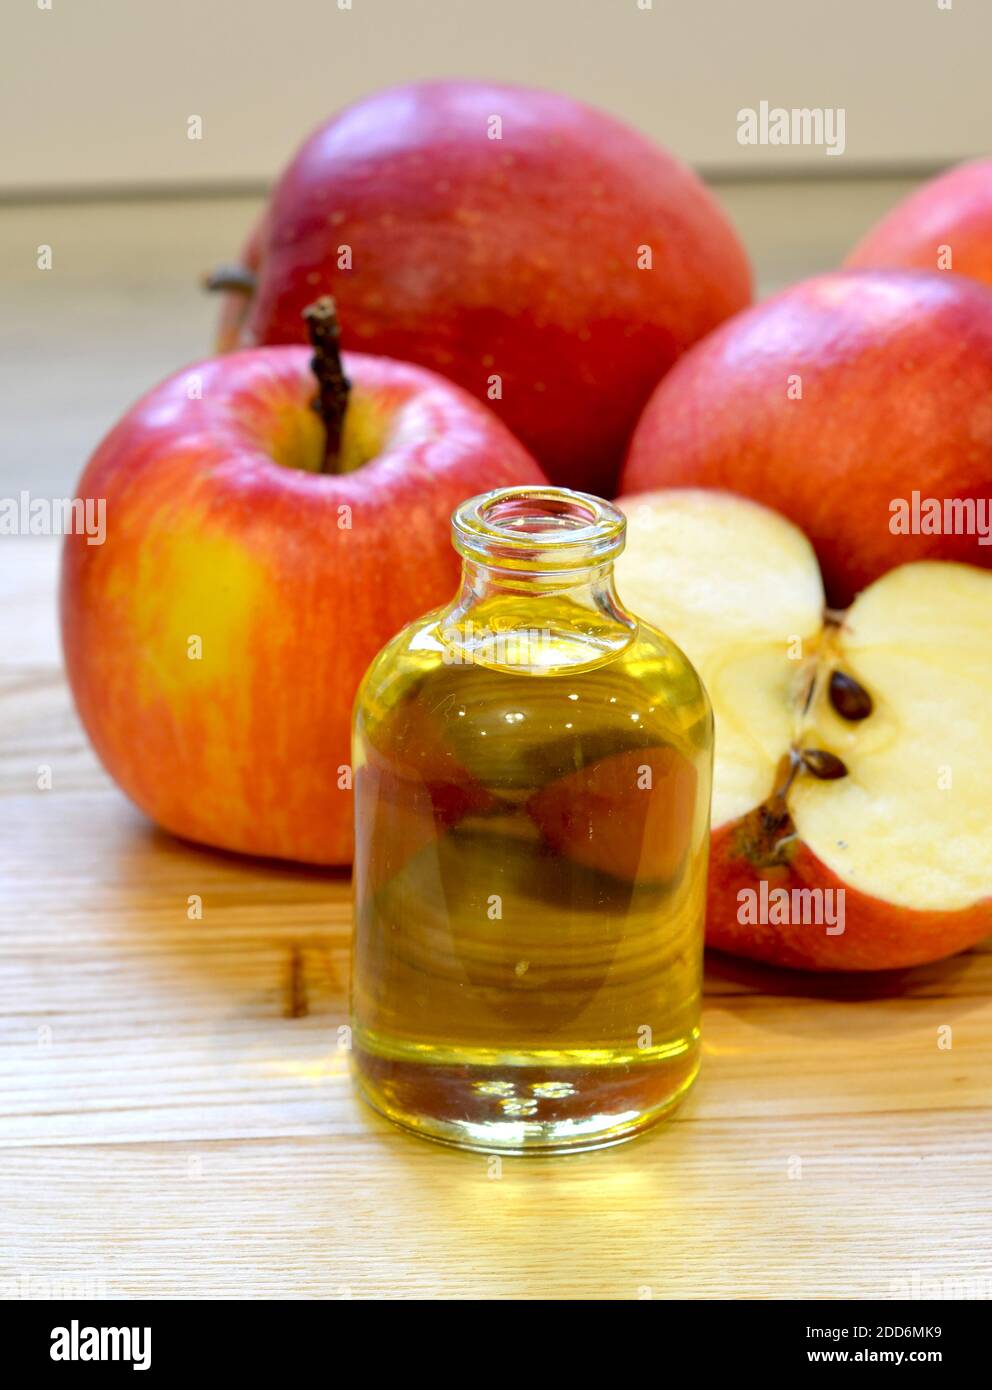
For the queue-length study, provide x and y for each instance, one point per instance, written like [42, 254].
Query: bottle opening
[538, 528]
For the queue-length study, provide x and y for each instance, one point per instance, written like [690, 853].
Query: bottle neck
[537, 591]
[535, 622]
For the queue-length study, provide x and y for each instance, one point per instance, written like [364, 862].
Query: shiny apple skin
[209, 537]
[877, 935]
[896, 374]
[515, 257]
[953, 211]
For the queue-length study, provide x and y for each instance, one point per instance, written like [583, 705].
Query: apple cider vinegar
[532, 786]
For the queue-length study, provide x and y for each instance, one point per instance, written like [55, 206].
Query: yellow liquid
[532, 832]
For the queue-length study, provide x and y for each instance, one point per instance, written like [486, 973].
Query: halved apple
[853, 751]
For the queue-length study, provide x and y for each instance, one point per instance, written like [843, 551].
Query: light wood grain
[175, 1114]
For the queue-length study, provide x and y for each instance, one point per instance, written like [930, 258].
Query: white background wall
[96, 93]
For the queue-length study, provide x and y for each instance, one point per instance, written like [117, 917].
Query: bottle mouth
[538, 528]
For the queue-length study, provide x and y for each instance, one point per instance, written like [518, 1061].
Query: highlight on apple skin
[945, 224]
[215, 642]
[853, 752]
[834, 402]
[542, 254]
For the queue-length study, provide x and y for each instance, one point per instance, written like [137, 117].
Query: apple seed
[849, 698]
[827, 766]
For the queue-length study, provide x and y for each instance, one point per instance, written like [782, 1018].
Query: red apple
[492, 232]
[835, 402]
[600, 817]
[415, 787]
[946, 224]
[853, 752]
[215, 642]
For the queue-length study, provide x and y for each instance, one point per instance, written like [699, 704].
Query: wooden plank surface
[175, 1114]
[176, 1117]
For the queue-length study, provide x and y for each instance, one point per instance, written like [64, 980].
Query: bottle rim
[534, 527]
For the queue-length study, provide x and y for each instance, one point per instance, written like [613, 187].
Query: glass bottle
[532, 790]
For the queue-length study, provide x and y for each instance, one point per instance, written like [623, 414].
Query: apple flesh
[546, 257]
[215, 642]
[832, 401]
[853, 752]
[946, 224]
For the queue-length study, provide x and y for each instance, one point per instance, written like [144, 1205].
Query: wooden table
[176, 1119]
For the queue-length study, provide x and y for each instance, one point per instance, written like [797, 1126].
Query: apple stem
[332, 398]
[766, 836]
[231, 277]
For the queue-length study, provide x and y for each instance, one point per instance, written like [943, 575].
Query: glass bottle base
[528, 1108]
